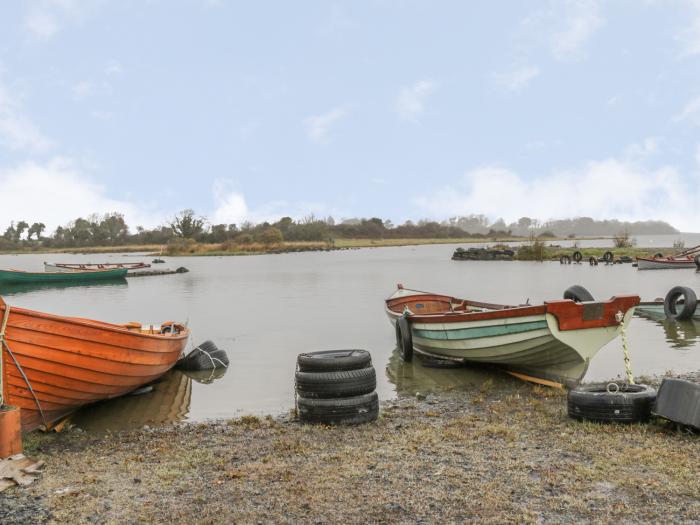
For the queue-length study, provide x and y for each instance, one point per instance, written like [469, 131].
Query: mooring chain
[620, 317]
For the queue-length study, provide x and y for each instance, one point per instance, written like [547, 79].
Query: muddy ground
[490, 456]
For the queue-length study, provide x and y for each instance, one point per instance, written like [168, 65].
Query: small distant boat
[52, 365]
[22, 277]
[71, 267]
[551, 342]
[655, 311]
[684, 259]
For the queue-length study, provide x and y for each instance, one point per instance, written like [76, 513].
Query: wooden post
[10, 431]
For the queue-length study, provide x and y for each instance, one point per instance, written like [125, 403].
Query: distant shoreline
[215, 249]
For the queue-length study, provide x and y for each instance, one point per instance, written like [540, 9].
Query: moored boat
[22, 277]
[71, 267]
[52, 365]
[665, 263]
[686, 259]
[554, 341]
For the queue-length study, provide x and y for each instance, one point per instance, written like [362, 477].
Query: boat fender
[206, 356]
[564, 259]
[611, 403]
[578, 294]
[697, 261]
[593, 261]
[405, 339]
[687, 308]
[658, 255]
[577, 256]
[608, 257]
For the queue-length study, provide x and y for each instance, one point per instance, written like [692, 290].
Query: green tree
[36, 229]
[187, 225]
[19, 229]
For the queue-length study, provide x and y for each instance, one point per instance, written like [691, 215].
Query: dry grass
[514, 457]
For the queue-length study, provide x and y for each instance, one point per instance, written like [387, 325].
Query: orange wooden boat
[52, 365]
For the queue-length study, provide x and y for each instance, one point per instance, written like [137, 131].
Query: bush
[181, 245]
[268, 236]
[244, 238]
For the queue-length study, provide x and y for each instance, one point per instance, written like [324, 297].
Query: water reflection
[431, 376]
[679, 334]
[21, 288]
[168, 402]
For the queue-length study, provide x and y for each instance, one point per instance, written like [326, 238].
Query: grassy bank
[506, 455]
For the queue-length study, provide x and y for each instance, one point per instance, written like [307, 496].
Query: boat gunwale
[97, 325]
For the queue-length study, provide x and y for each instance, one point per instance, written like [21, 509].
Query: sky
[396, 109]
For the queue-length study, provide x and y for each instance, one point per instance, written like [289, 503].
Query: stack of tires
[336, 387]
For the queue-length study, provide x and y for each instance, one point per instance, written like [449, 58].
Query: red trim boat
[71, 267]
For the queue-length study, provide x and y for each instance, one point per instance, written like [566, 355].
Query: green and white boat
[86, 276]
[549, 343]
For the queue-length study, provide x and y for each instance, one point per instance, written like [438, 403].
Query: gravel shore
[495, 456]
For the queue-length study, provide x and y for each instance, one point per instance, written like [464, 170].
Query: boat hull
[532, 340]
[664, 263]
[19, 277]
[70, 267]
[65, 363]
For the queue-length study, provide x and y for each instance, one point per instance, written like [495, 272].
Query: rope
[3, 342]
[619, 316]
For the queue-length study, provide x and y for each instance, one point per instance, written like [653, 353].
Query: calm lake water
[264, 310]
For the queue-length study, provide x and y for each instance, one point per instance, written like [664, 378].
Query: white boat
[551, 342]
[76, 267]
[689, 258]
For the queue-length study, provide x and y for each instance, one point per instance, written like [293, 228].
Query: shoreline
[479, 454]
[215, 250]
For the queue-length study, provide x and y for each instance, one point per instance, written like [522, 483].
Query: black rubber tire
[578, 294]
[658, 255]
[577, 256]
[206, 356]
[564, 259]
[406, 339]
[593, 261]
[334, 360]
[324, 385]
[689, 306]
[608, 257]
[347, 411]
[631, 404]
[679, 401]
[697, 261]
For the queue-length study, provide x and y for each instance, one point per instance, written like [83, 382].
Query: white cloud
[690, 111]
[581, 20]
[46, 18]
[318, 127]
[83, 89]
[689, 36]
[56, 192]
[517, 78]
[232, 208]
[624, 189]
[114, 68]
[410, 103]
[18, 132]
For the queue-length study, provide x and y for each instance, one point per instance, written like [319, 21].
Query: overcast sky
[397, 109]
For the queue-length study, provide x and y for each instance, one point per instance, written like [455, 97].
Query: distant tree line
[111, 230]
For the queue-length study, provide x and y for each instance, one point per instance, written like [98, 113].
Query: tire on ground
[405, 343]
[687, 309]
[577, 256]
[333, 360]
[679, 401]
[608, 256]
[593, 261]
[631, 404]
[564, 259]
[578, 294]
[349, 410]
[323, 385]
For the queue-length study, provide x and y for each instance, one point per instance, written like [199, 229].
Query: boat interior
[440, 304]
